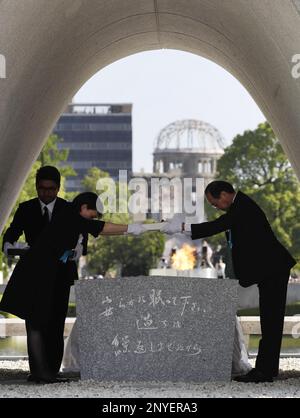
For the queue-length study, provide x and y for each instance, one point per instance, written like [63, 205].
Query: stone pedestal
[156, 328]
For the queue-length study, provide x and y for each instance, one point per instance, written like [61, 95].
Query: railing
[14, 327]
[251, 326]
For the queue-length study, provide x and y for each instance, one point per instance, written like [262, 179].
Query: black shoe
[43, 380]
[254, 376]
[62, 380]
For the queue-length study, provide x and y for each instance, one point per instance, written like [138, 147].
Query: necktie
[46, 218]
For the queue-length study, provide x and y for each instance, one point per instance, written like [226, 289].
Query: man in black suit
[248, 232]
[42, 298]
[31, 218]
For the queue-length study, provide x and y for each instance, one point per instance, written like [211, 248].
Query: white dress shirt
[50, 207]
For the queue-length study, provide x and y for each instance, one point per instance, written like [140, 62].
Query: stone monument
[174, 329]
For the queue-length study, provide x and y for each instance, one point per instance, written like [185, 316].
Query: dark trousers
[45, 341]
[272, 300]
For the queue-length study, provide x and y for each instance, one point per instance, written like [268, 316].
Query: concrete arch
[52, 47]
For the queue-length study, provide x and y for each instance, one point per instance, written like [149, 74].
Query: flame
[184, 258]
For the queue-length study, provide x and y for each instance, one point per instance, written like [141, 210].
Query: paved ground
[14, 385]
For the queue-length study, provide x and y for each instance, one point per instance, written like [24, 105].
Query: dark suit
[42, 297]
[258, 258]
[35, 297]
[28, 219]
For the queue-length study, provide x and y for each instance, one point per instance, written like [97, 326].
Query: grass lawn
[288, 342]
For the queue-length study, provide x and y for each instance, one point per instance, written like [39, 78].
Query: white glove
[7, 246]
[78, 252]
[78, 249]
[187, 227]
[172, 226]
[135, 229]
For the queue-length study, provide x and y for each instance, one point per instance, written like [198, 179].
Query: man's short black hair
[48, 172]
[90, 199]
[216, 187]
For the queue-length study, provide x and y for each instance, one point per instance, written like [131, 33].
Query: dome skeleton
[190, 135]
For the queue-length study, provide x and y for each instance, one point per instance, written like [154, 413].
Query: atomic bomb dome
[189, 146]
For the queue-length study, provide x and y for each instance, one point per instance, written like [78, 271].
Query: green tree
[51, 154]
[90, 182]
[94, 174]
[131, 255]
[50, 151]
[256, 163]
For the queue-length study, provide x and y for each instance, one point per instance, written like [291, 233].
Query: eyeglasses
[213, 206]
[47, 189]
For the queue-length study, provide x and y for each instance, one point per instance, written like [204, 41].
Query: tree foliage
[130, 255]
[256, 164]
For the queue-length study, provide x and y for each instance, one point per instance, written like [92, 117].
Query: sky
[168, 85]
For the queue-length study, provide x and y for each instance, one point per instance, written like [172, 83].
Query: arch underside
[53, 48]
